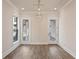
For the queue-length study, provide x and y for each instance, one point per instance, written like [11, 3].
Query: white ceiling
[45, 5]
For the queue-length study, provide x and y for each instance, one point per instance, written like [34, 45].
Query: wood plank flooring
[39, 52]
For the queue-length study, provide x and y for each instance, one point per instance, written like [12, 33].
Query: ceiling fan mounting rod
[38, 3]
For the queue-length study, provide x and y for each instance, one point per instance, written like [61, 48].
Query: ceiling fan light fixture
[22, 8]
[39, 13]
[55, 8]
[39, 9]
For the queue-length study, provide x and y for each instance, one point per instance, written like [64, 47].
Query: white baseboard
[67, 50]
[36, 43]
[4, 54]
[52, 42]
[40, 43]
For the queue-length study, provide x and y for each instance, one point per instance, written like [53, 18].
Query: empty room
[38, 29]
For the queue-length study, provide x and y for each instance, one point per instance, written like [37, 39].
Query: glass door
[25, 30]
[52, 30]
[15, 29]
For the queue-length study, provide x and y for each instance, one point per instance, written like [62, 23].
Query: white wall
[8, 11]
[39, 26]
[67, 28]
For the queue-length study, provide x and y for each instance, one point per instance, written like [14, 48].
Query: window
[15, 29]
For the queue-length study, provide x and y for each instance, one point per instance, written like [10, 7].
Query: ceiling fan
[38, 8]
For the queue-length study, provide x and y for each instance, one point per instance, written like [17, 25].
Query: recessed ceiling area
[44, 5]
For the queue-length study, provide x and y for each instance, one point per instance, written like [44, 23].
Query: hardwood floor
[39, 52]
